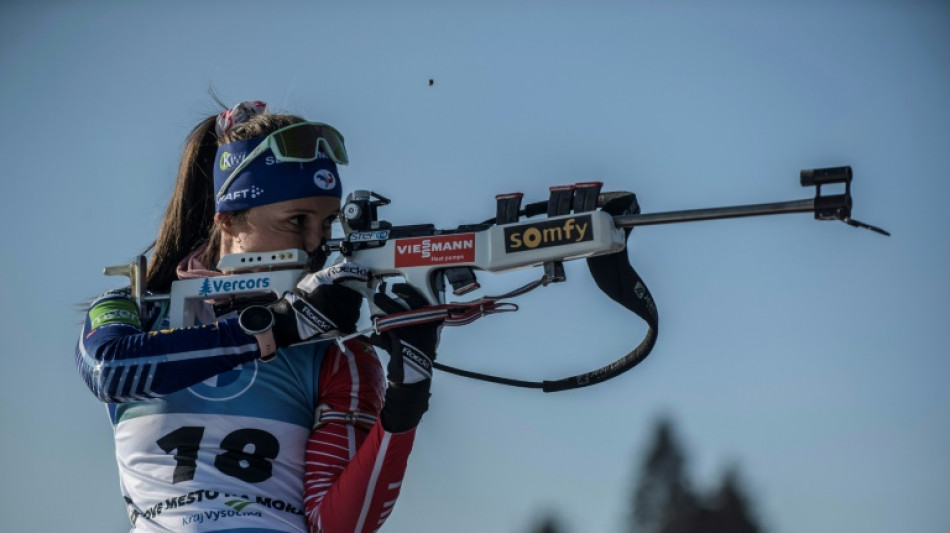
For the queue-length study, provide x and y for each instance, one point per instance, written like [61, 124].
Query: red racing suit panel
[354, 467]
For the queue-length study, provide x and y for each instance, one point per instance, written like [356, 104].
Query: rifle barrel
[691, 215]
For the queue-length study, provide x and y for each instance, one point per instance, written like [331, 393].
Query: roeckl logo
[417, 358]
[548, 233]
[313, 316]
[341, 271]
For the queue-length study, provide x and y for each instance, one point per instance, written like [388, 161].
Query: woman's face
[302, 223]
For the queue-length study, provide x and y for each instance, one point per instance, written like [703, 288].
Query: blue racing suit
[209, 438]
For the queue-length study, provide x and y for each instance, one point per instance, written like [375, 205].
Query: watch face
[256, 319]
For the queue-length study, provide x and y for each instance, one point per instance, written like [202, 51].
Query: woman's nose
[313, 239]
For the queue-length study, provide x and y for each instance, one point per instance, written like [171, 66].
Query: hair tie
[238, 115]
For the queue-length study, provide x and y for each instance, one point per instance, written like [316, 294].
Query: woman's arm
[354, 467]
[120, 361]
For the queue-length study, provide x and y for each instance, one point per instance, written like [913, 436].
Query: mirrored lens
[303, 141]
[298, 143]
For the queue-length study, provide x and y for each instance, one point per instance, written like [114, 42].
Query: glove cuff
[310, 321]
[285, 324]
[405, 405]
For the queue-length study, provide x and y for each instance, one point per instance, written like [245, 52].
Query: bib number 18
[248, 453]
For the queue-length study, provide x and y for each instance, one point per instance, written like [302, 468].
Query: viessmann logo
[548, 233]
[441, 250]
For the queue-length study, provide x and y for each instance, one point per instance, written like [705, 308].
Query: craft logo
[441, 250]
[213, 286]
[229, 160]
[548, 233]
[252, 193]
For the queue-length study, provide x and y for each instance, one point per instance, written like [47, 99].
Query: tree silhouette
[727, 510]
[664, 501]
[548, 524]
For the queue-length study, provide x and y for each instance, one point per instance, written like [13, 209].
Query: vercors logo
[229, 160]
[441, 250]
[213, 286]
[548, 233]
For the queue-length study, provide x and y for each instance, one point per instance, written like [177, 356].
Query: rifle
[579, 222]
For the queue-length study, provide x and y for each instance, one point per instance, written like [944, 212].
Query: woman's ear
[223, 221]
[225, 225]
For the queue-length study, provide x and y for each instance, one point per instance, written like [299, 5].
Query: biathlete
[234, 424]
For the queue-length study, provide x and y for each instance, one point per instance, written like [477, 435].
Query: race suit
[211, 439]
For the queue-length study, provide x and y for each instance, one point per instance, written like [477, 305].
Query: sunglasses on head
[297, 143]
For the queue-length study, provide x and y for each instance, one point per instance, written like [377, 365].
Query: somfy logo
[548, 233]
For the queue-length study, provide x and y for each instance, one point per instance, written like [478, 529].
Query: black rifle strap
[614, 275]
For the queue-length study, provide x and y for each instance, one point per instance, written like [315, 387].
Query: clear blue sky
[812, 354]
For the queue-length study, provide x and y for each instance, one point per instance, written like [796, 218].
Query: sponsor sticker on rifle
[438, 250]
[557, 232]
[366, 236]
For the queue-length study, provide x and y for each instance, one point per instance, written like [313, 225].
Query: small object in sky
[431, 82]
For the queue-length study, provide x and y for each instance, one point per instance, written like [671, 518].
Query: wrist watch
[257, 321]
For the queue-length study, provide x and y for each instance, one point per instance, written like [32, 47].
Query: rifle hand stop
[836, 206]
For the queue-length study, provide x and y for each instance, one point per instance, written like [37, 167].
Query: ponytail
[189, 217]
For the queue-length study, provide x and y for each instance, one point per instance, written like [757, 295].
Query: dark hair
[189, 218]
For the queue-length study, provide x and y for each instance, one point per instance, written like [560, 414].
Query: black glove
[320, 304]
[412, 349]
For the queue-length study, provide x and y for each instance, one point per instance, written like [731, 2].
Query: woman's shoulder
[119, 306]
[124, 293]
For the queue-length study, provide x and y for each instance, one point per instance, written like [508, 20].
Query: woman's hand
[321, 303]
[412, 349]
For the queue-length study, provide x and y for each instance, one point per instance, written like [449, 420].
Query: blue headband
[265, 181]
